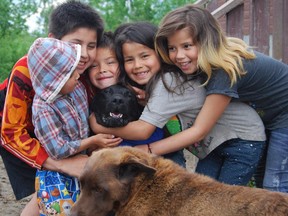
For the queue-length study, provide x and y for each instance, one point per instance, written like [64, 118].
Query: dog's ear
[97, 99]
[128, 170]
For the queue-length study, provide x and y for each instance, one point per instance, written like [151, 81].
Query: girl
[192, 39]
[234, 161]
[138, 78]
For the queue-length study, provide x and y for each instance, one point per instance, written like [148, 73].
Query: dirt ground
[10, 206]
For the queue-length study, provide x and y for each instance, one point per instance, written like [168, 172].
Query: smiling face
[87, 39]
[71, 83]
[105, 69]
[140, 62]
[183, 52]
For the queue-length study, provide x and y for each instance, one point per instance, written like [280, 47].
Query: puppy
[130, 182]
[115, 106]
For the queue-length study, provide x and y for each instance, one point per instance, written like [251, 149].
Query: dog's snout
[118, 99]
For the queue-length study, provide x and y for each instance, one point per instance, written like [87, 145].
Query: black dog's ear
[132, 168]
[99, 98]
[93, 105]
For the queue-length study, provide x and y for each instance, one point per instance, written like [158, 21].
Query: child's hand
[140, 94]
[106, 140]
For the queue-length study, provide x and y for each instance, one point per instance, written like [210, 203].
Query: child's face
[140, 62]
[71, 83]
[182, 51]
[104, 71]
[87, 39]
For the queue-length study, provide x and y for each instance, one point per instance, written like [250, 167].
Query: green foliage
[12, 48]
[43, 20]
[13, 15]
[118, 12]
[15, 39]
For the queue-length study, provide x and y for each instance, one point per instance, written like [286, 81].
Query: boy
[60, 118]
[21, 152]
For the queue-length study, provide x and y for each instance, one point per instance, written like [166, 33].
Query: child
[135, 46]
[105, 72]
[21, 151]
[60, 118]
[241, 140]
[233, 71]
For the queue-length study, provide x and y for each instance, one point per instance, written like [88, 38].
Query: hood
[51, 63]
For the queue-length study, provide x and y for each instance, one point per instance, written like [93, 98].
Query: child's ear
[51, 35]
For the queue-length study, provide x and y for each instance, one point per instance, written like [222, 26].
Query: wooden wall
[263, 24]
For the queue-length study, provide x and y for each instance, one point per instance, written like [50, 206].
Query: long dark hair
[138, 32]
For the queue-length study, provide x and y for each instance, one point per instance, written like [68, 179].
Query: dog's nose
[117, 100]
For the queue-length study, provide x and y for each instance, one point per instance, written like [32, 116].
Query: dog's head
[115, 106]
[107, 180]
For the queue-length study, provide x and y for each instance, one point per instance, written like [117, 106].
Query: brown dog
[130, 182]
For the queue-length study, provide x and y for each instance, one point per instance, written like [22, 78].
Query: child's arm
[72, 166]
[214, 106]
[56, 137]
[136, 130]
[16, 127]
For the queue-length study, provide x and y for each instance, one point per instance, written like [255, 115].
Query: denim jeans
[177, 157]
[276, 169]
[233, 162]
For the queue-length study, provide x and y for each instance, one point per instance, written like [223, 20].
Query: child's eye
[111, 62]
[187, 46]
[94, 66]
[171, 49]
[145, 56]
[92, 46]
[127, 60]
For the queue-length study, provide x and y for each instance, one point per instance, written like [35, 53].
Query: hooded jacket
[60, 121]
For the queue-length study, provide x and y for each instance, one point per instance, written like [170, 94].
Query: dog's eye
[128, 94]
[108, 90]
[82, 182]
[97, 189]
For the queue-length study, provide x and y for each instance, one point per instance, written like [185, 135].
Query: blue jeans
[233, 162]
[177, 157]
[276, 169]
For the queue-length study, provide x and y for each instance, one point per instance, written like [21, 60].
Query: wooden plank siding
[260, 25]
[285, 31]
[263, 24]
[235, 22]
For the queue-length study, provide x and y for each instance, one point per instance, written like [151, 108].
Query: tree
[13, 15]
[15, 39]
[115, 13]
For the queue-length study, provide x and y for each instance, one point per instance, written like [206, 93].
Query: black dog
[115, 106]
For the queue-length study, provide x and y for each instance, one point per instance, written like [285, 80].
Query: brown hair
[215, 50]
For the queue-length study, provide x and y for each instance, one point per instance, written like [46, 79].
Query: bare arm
[211, 111]
[99, 141]
[136, 130]
[72, 166]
